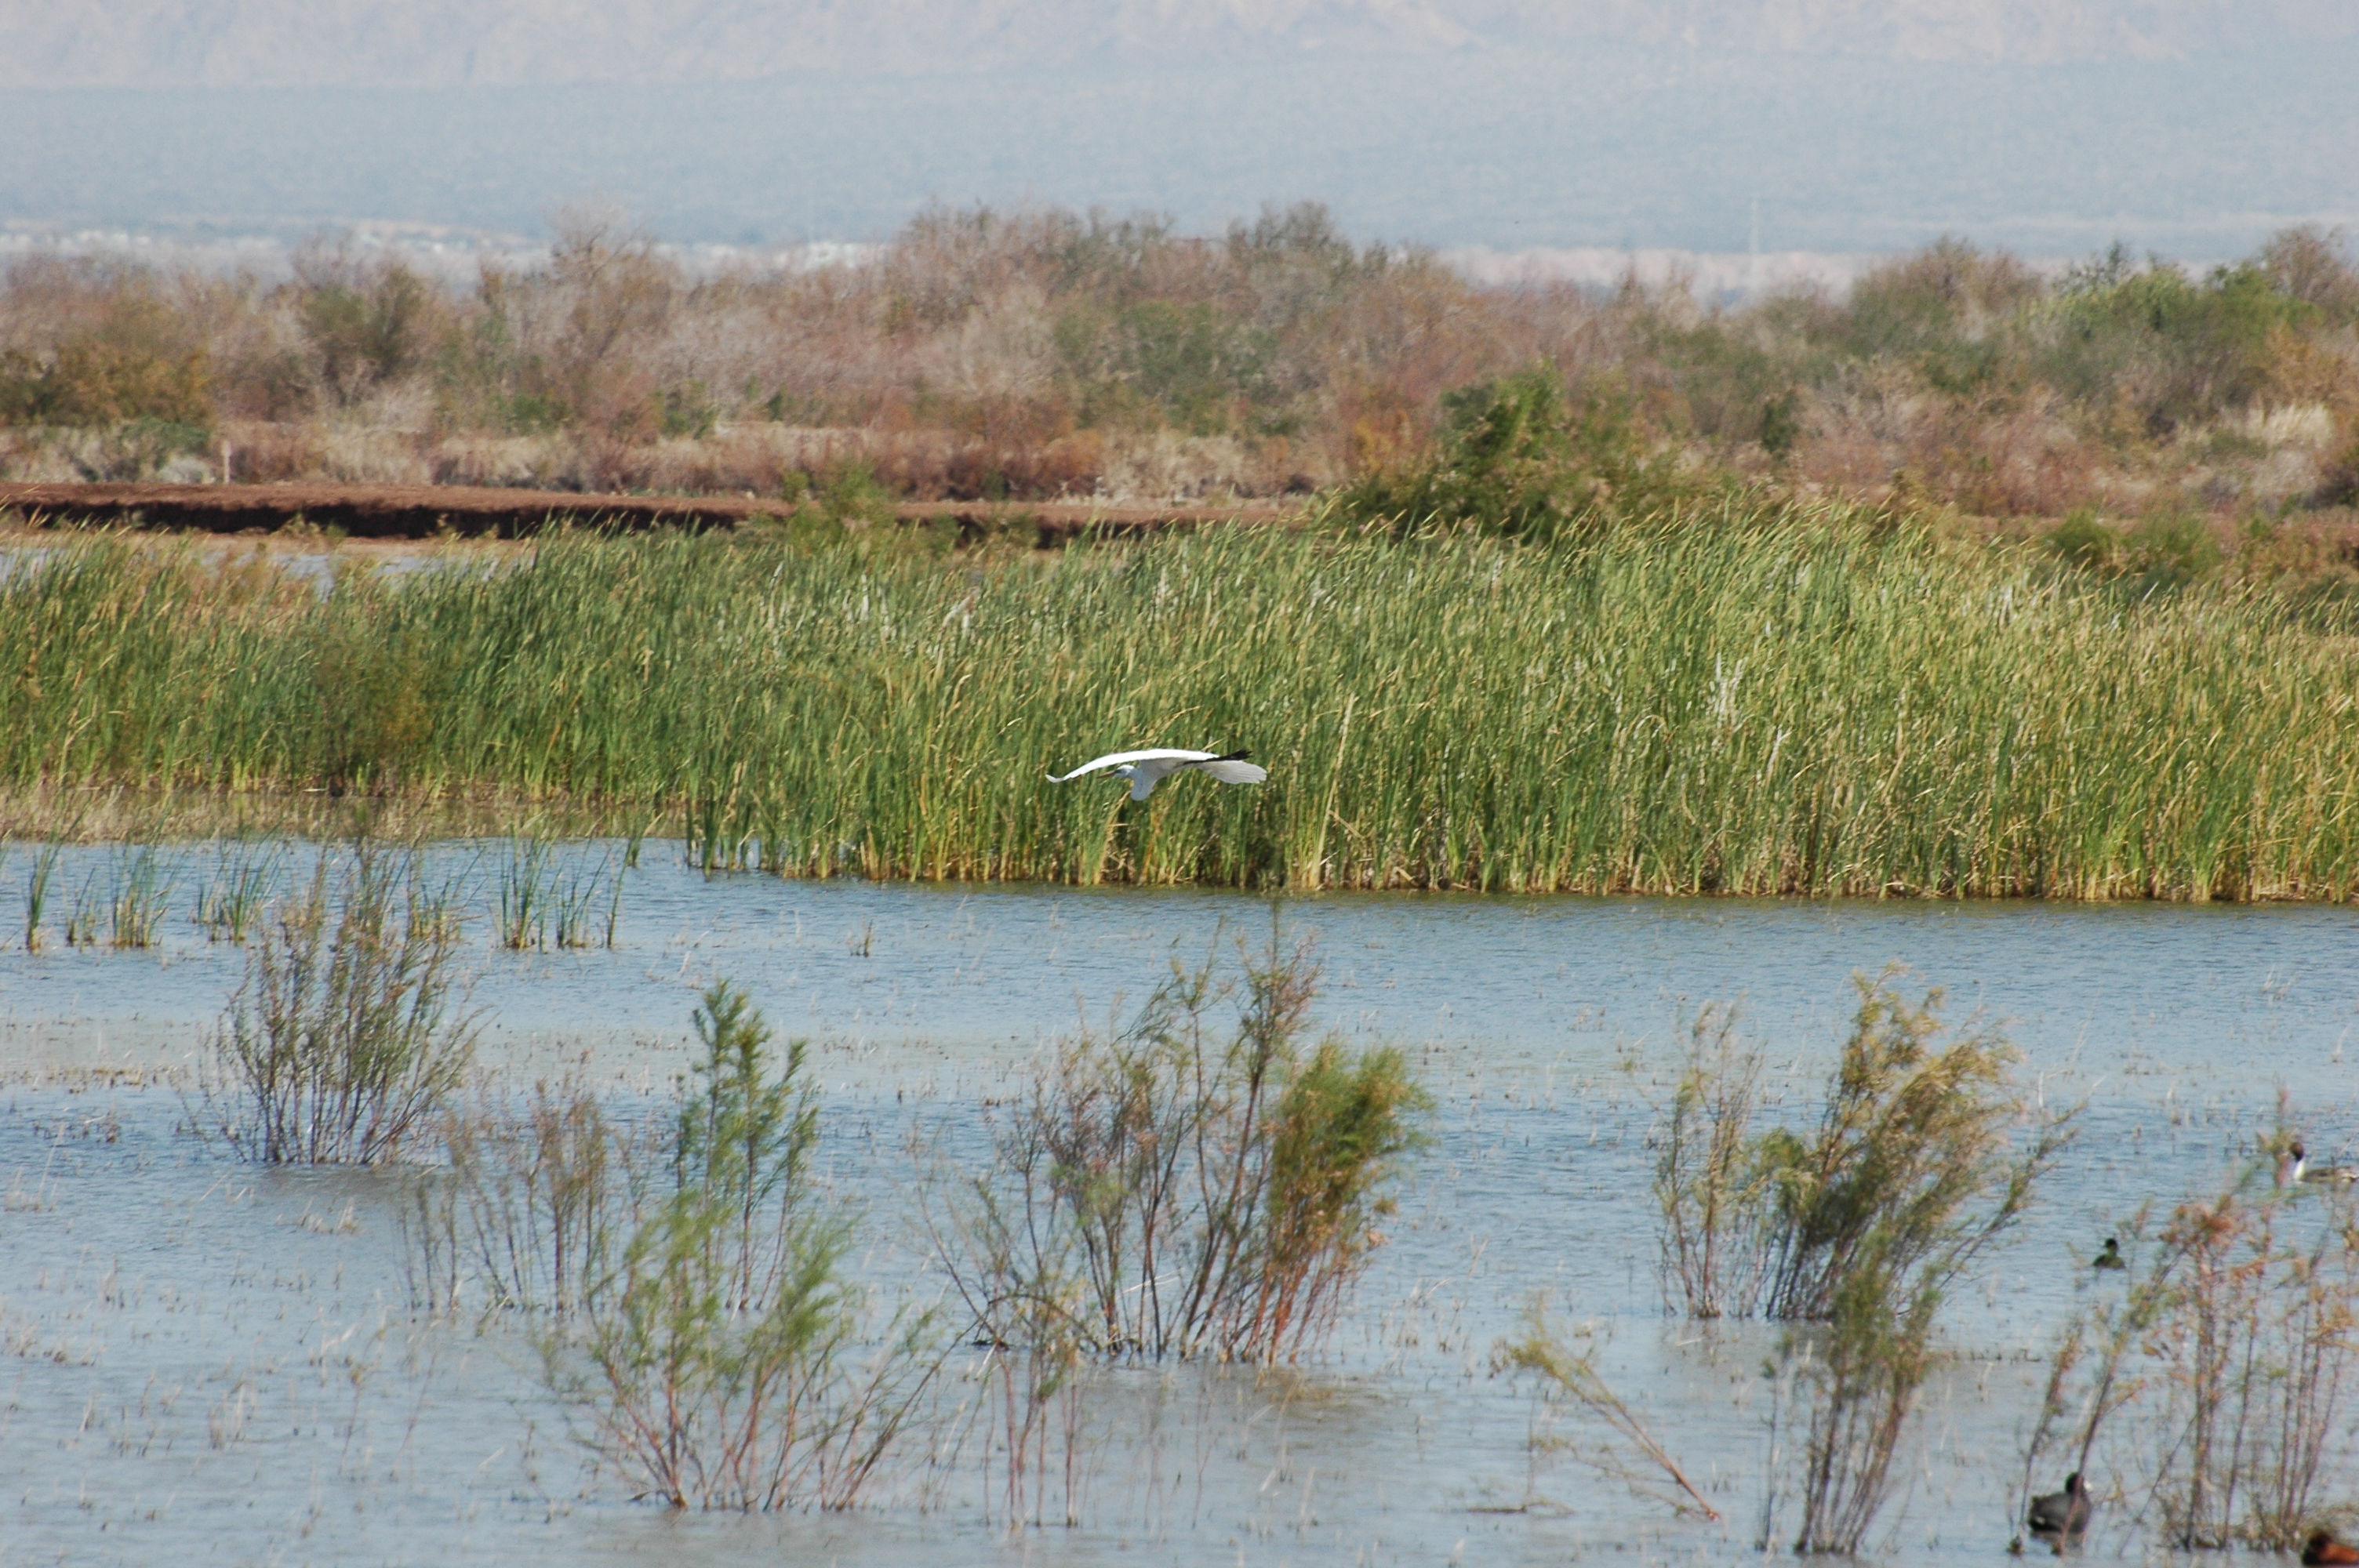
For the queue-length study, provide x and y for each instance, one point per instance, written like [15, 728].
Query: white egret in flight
[1145, 769]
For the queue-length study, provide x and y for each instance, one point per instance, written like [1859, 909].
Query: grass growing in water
[141, 894]
[37, 891]
[81, 920]
[233, 898]
[1803, 703]
[526, 885]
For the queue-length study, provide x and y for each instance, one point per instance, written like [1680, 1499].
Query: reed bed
[1810, 704]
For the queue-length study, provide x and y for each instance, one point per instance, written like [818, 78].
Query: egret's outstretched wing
[1169, 757]
[1230, 772]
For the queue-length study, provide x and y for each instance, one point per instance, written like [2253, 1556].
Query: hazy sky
[2052, 127]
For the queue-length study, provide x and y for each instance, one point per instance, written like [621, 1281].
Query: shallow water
[210, 1362]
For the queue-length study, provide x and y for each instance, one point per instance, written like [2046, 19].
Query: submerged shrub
[2250, 1346]
[1563, 1371]
[1911, 1170]
[533, 1207]
[1708, 1177]
[1853, 1231]
[350, 1027]
[1168, 1194]
[720, 1346]
[2221, 1369]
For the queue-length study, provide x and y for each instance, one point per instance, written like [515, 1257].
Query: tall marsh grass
[232, 900]
[1810, 704]
[142, 890]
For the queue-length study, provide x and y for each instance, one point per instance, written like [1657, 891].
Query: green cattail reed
[229, 902]
[81, 920]
[37, 891]
[526, 886]
[141, 894]
[1803, 703]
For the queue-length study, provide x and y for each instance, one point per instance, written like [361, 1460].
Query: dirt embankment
[422, 511]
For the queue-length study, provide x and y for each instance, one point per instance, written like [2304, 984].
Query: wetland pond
[212, 1362]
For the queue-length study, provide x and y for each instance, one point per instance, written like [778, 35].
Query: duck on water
[2322, 1549]
[2061, 1517]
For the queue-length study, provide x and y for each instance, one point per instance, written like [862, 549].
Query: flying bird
[1145, 769]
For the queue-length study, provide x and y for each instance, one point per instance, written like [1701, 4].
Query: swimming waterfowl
[2323, 1549]
[2295, 1166]
[2111, 1258]
[2062, 1514]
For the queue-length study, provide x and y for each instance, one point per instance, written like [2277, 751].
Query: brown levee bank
[423, 512]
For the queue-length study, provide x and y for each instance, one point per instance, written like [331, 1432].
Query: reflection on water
[212, 1363]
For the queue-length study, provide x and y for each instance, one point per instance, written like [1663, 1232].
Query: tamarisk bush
[1851, 1231]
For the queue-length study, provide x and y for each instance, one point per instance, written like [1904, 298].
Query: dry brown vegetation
[1045, 354]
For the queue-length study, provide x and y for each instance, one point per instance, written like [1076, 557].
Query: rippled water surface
[210, 1362]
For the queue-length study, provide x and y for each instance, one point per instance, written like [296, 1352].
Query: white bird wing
[1170, 758]
[1234, 773]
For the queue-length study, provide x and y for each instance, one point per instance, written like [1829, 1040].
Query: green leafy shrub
[2172, 347]
[721, 1353]
[90, 382]
[1911, 1170]
[2082, 540]
[366, 325]
[1517, 458]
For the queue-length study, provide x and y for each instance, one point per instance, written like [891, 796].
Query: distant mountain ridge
[256, 43]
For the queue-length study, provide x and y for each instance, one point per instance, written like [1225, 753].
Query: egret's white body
[1145, 769]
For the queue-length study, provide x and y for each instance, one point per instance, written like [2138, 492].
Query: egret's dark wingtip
[1238, 755]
